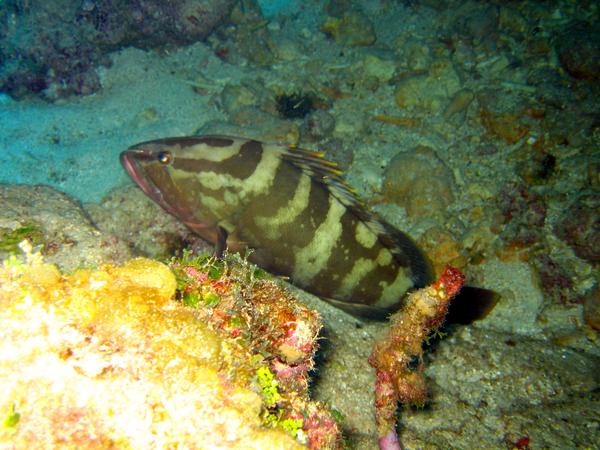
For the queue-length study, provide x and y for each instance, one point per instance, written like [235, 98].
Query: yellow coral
[104, 359]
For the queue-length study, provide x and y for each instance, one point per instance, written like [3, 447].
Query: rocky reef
[53, 48]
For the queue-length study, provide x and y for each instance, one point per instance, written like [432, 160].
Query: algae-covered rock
[56, 225]
[517, 385]
[107, 358]
[381, 69]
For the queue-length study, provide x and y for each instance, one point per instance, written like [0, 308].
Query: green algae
[12, 418]
[10, 238]
[269, 386]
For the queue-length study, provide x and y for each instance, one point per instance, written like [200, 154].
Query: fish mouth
[132, 159]
[129, 161]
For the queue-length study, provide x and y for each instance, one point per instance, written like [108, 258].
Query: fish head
[153, 166]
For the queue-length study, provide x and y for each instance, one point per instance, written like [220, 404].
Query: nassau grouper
[291, 207]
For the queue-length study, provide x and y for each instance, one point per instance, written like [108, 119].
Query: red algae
[398, 357]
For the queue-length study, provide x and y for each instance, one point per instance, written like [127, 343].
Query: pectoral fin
[230, 241]
[221, 242]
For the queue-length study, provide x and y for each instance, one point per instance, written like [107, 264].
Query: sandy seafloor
[480, 195]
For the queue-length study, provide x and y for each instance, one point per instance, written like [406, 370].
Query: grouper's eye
[165, 158]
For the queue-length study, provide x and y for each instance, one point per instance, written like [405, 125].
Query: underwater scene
[281, 224]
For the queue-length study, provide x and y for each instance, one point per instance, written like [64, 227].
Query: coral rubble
[352, 29]
[579, 226]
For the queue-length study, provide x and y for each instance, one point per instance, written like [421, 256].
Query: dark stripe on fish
[241, 165]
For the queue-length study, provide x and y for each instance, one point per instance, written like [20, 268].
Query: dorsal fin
[326, 172]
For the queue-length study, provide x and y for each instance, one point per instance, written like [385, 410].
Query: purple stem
[390, 442]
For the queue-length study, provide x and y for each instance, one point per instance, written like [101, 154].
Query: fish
[292, 208]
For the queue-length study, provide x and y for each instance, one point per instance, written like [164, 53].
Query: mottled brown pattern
[328, 280]
[408, 255]
[300, 233]
[367, 291]
[325, 281]
[284, 187]
[239, 166]
[194, 165]
[244, 163]
[195, 192]
[315, 214]
[275, 255]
